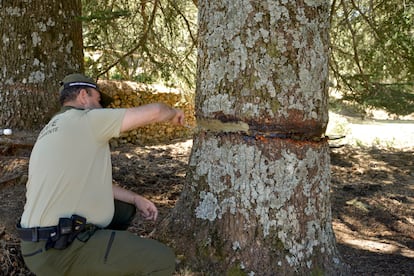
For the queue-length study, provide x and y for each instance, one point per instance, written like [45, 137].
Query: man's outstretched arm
[151, 113]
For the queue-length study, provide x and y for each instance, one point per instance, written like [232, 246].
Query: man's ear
[83, 94]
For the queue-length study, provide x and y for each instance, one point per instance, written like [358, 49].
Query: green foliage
[372, 58]
[141, 40]
[394, 98]
[372, 46]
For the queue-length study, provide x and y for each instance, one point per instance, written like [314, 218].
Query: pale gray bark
[41, 41]
[257, 194]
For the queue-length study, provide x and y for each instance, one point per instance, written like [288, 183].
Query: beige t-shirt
[70, 170]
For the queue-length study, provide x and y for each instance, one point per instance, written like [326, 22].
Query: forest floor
[372, 193]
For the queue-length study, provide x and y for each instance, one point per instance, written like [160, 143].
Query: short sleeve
[106, 122]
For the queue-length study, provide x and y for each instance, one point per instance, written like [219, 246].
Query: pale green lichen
[208, 207]
[221, 102]
[69, 46]
[36, 77]
[6, 40]
[41, 26]
[15, 11]
[36, 39]
[236, 246]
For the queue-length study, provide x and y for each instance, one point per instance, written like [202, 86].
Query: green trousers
[105, 252]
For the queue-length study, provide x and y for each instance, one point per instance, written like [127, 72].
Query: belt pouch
[61, 240]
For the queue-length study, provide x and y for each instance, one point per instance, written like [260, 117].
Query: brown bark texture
[256, 201]
[41, 42]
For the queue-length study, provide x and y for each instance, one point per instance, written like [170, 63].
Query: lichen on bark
[260, 197]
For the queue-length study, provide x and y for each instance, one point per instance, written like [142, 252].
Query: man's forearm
[147, 208]
[148, 114]
[123, 194]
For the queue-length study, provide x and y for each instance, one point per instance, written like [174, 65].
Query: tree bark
[256, 199]
[41, 42]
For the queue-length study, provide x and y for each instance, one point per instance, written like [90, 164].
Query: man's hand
[151, 113]
[147, 208]
[179, 118]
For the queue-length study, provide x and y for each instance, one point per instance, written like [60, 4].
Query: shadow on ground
[372, 200]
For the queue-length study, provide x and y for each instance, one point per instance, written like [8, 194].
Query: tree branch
[140, 44]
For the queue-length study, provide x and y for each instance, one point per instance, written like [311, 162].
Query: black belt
[36, 234]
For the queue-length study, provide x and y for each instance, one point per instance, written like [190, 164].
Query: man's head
[79, 87]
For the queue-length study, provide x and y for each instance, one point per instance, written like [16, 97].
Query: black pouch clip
[67, 230]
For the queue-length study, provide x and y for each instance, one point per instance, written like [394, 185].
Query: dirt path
[397, 134]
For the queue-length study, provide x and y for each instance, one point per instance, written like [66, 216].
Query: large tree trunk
[257, 194]
[41, 41]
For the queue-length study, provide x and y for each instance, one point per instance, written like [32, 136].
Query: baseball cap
[82, 80]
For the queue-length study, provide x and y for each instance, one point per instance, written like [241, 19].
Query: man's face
[93, 99]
